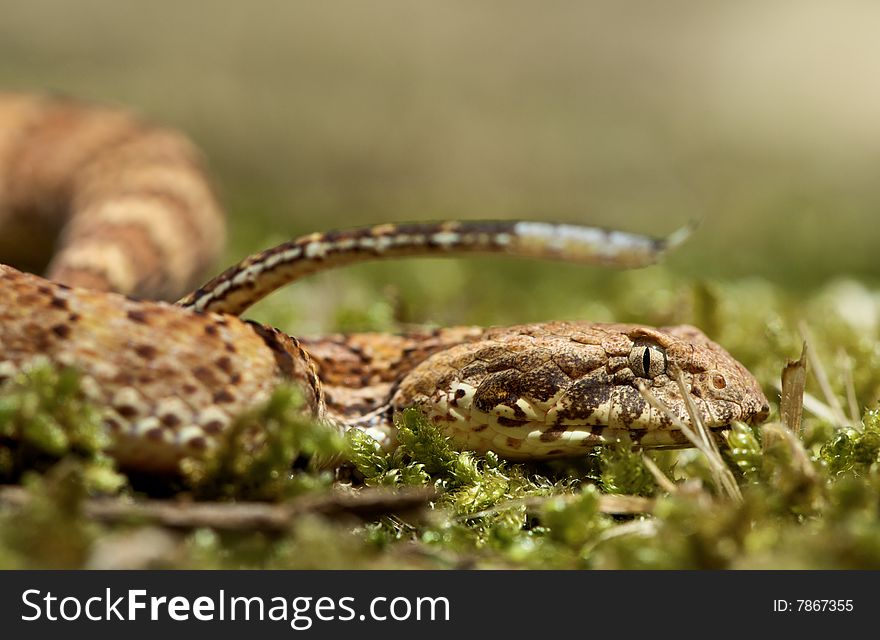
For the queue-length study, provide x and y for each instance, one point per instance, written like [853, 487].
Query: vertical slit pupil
[646, 362]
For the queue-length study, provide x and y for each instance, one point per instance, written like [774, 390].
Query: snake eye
[647, 361]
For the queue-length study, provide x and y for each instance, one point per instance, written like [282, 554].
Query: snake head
[722, 388]
[559, 388]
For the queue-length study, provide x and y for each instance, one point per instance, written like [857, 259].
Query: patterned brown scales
[171, 378]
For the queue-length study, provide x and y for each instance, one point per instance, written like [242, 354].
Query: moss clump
[622, 470]
[45, 417]
[254, 460]
[853, 452]
[803, 501]
[50, 530]
[470, 483]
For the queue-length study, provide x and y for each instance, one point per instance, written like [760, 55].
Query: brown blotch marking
[59, 303]
[189, 388]
[198, 443]
[127, 411]
[225, 364]
[632, 404]
[553, 434]
[154, 434]
[511, 422]
[584, 398]
[137, 315]
[514, 443]
[28, 300]
[61, 330]
[229, 347]
[170, 420]
[578, 363]
[124, 379]
[496, 389]
[443, 381]
[481, 427]
[211, 330]
[555, 452]
[224, 397]
[506, 387]
[213, 427]
[205, 376]
[74, 317]
[146, 351]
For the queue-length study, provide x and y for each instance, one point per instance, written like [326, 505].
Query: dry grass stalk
[661, 478]
[794, 379]
[849, 383]
[822, 377]
[778, 432]
[701, 438]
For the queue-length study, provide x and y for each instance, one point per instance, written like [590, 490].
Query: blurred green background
[760, 118]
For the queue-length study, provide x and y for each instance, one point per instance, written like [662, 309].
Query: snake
[123, 217]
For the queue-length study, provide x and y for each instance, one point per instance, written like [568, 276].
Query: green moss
[622, 470]
[807, 501]
[50, 531]
[44, 417]
[254, 459]
[744, 451]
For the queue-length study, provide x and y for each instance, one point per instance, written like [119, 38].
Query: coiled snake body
[170, 378]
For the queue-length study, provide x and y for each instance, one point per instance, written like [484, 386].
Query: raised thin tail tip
[680, 235]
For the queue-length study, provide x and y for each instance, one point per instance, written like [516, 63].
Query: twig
[366, 504]
[610, 504]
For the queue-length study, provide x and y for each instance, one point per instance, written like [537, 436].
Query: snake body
[171, 378]
[128, 201]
